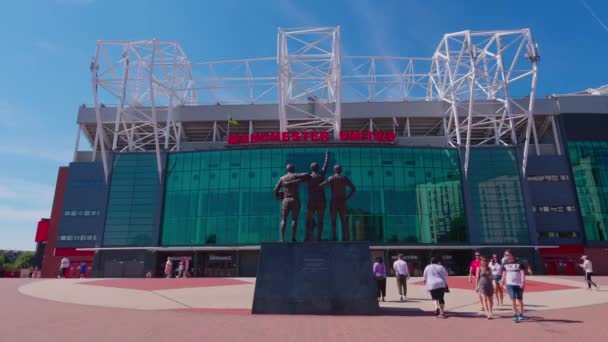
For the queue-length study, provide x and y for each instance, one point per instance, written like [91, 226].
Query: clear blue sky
[46, 48]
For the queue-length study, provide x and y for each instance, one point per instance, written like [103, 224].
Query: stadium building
[448, 154]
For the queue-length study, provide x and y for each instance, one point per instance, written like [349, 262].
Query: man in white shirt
[63, 267]
[514, 276]
[587, 266]
[402, 274]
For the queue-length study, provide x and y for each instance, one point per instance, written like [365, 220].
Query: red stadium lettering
[233, 138]
[275, 136]
[253, 138]
[267, 137]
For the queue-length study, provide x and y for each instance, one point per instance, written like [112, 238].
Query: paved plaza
[218, 309]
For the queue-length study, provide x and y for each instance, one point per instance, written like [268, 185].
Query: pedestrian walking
[473, 271]
[496, 268]
[514, 277]
[83, 270]
[587, 266]
[36, 273]
[168, 268]
[64, 265]
[402, 274]
[186, 272]
[485, 287]
[435, 279]
[180, 269]
[380, 274]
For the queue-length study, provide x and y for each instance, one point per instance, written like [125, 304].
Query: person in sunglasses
[514, 277]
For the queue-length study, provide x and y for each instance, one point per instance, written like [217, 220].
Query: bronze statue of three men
[290, 199]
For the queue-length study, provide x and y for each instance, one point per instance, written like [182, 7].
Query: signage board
[310, 137]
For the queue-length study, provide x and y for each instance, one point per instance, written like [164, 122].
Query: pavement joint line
[172, 299]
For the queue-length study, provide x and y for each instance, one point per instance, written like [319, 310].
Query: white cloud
[8, 114]
[12, 214]
[21, 190]
[48, 46]
[594, 15]
[42, 152]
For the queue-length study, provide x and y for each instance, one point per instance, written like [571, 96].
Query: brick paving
[25, 318]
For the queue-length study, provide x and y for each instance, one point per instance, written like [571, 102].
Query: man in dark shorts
[514, 276]
[339, 198]
[290, 199]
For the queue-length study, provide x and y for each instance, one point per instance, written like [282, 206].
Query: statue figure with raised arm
[339, 183]
[316, 199]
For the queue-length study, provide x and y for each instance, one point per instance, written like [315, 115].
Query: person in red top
[472, 272]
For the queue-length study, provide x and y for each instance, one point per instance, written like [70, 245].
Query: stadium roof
[478, 88]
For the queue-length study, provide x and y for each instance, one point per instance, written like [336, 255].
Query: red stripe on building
[42, 232]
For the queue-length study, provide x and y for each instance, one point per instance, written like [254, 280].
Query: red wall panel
[42, 232]
[50, 262]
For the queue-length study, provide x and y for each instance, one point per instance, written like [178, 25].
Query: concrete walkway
[27, 318]
[546, 293]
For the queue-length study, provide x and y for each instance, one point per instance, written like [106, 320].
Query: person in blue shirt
[83, 269]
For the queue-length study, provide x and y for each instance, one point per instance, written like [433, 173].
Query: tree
[24, 260]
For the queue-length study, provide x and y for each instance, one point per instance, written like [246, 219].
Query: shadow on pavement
[403, 301]
[404, 312]
[537, 319]
[535, 306]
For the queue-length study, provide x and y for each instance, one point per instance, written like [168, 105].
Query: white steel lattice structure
[309, 71]
[474, 76]
[471, 69]
[147, 79]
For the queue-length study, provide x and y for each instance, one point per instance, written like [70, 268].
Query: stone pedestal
[315, 278]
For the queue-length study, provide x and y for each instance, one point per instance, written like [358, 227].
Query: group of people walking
[490, 277]
[182, 269]
[401, 275]
[435, 278]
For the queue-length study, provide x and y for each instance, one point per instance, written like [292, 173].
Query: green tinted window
[404, 196]
[589, 162]
[498, 206]
[132, 201]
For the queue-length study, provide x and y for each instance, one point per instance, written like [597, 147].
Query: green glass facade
[498, 205]
[132, 202]
[404, 195]
[589, 162]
